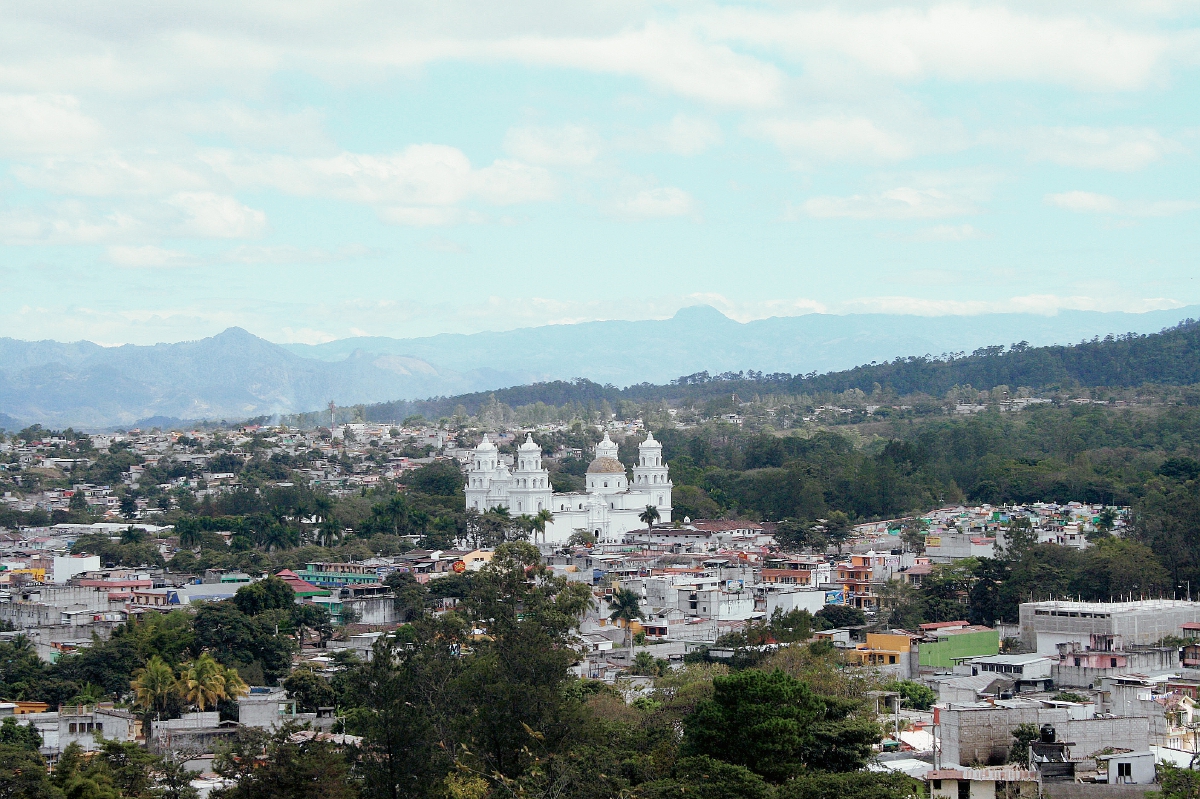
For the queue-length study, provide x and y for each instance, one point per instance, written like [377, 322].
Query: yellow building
[884, 649]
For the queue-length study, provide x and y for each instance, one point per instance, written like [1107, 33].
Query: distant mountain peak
[700, 314]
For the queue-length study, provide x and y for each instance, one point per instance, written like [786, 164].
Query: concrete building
[1129, 768]
[1103, 626]
[948, 643]
[996, 782]
[982, 732]
[1080, 667]
[267, 708]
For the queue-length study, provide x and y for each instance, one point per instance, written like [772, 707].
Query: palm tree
[235, 686]
[540, 521]
[626, 606]
[525, 524]
[203, 681]
[649, 516]
[153, 685]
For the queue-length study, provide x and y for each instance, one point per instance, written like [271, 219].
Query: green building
[957, 643]
[338, 574]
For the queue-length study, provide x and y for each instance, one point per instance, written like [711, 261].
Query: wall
[941, 653]
[1145, 661]
[372, 610]
[1092, 735]
[984, 735]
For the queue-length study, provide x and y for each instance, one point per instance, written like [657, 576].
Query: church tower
[651, 478]
[479, 477]
[530, 490]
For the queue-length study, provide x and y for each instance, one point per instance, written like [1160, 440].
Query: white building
[608, 507]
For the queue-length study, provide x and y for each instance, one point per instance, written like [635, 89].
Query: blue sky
[312, 171]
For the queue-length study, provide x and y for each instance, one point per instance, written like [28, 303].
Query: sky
[318, 170]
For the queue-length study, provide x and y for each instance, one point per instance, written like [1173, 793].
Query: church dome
[606, 466]
[529, 445]
[486, 445]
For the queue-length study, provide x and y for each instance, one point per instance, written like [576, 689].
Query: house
[946, 643]
[1129, 768]
[1027, 672]
[982, 783]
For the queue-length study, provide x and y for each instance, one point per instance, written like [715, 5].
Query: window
[71, 727]
[891, 659]
[937, 785]
[1114, 663]
[1124, 772]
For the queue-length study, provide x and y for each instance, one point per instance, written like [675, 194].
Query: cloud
[670, 57]
[214, 216]
[1086, 202]
[1115, 149]
[899, 203]
[837, 138]
[420, 175]
[569, 145]
[65, 224]
[39, 124]
[957, 43]
[685, 135]
[144, 256]
[657, 203]
[114, 174]
[938, 233]
[290, 254]
[1042, 304]
[421, 217]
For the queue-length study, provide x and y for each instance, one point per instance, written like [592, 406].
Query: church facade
[608, 507]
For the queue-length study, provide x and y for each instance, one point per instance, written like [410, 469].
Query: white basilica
[609, 507]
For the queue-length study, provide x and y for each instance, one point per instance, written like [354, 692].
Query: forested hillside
[1171, 357]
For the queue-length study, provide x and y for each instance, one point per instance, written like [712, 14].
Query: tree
[707, 778]
[203, 682]
[837, 616]
[1023, 735]
[837, 528]
[288, 764]
[1178, 783]
[269, 594]
[1018, 538]
[153, 686]
[649, 516]
[852, 785]
[23, 774]
[409, 595]
[915, 695]
[310, 690]
[542, 518]
[757, 720]
[647, 665]
[626, 607]
[22, 735]
[793, 534]
[581, 538]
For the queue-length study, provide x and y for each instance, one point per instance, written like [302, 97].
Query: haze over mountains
[237, 375]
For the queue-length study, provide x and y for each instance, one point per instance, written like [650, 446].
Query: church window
[606, 484]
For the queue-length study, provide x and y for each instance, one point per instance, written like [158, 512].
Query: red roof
[937, 625]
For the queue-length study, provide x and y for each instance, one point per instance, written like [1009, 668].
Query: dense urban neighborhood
[342, 599]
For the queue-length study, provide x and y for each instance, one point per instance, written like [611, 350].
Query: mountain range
[236, 375]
